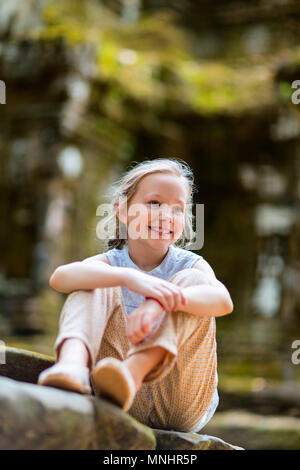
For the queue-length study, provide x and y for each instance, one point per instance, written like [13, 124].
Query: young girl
[139, 322]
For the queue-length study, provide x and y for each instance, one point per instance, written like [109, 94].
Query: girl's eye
[177, 209]
[153, 201]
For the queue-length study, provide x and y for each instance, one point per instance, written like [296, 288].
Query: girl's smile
[159, 230]
[155, 217]
[165, 203]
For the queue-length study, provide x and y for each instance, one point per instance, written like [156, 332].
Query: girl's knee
[79, 294]
[77, 301]
[82, 296]
[190, 276]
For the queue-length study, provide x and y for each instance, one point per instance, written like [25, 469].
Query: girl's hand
[139, 322]
[170, 295]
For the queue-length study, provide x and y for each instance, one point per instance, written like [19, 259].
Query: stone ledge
[23, 365]
[36, 417]
[173, 440]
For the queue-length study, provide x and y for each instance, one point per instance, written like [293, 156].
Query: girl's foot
[120, 380]
[68, 376]
[111, 378]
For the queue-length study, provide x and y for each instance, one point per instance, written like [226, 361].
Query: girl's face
[156, 212]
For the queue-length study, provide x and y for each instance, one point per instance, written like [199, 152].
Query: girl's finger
[169, 298]
[146, 325]
[176, 294]
[132, 325]
[137, 331]
[177, 299]
[160, 296]
[178, 302]
[139, 337]
[134, 337]
[183, 298]
[141, 330]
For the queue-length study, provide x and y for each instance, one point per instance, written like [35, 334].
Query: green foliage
[285, 90]
[152, 62]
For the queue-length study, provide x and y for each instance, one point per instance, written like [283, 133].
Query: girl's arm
[88, 274]
[208, 300]
[96, 272]
[202, 300]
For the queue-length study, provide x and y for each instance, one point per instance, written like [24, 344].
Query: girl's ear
[121, 212]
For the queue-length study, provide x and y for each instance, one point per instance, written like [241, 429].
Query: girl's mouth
[159, 230]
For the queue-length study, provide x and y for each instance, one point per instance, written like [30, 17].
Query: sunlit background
[92, 86]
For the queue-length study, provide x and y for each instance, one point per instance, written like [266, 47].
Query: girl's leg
[142, 362]
[181, 389]
[74, 350]
[82, 323]
[92, 326]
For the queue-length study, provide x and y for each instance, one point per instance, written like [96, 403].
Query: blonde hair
[126, 187]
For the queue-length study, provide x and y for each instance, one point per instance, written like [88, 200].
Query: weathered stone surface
[23, 365]
[117, 430]
[254, 431]
[169, 440]
[36, 417]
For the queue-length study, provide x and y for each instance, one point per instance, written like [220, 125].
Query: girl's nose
[166, 213]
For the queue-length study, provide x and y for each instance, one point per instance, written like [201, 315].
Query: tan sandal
[111, 378]
[68, 376]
